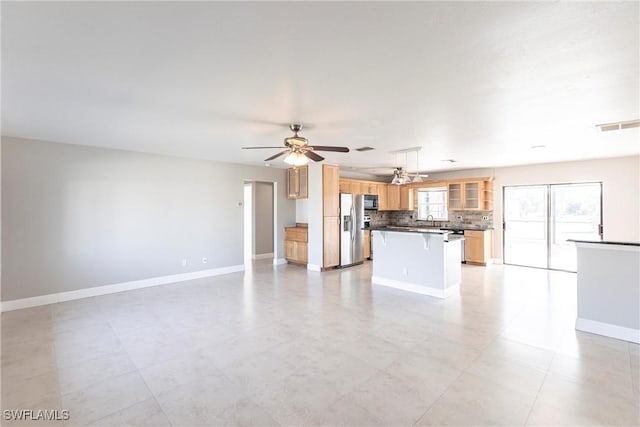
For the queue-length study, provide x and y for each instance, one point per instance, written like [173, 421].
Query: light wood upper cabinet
[393, 197]
[330, 190]
[455, 195]
[298, 182]
[471, 195]
[353, 186]
[406, 198]
[383, 197]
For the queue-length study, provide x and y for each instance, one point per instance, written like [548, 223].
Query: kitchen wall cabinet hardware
[478, 246]
[298, 182]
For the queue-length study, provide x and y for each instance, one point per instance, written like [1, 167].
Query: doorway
[260, 231]
[539, 219]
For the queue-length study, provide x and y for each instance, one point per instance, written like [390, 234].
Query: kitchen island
[422, 260]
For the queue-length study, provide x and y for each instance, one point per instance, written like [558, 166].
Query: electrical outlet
[184, 262]
[485, 217]
[459, 217]
[205, 260]
[405, 271]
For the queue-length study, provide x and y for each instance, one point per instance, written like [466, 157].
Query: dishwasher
[459, 233]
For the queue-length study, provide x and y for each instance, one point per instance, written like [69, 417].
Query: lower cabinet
[367, 244]
[478, 246]
[331, 241]
[295, 244]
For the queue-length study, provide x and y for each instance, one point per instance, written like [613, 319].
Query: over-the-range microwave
[370, 201]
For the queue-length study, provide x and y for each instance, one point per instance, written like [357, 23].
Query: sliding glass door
[539, 219]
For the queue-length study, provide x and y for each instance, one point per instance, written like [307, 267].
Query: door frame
[548, 218]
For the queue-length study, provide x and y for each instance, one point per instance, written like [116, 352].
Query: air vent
[618, 125]
[364, 149]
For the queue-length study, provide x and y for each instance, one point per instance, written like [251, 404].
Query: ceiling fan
[298, 149]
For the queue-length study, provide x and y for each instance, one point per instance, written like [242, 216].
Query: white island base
[423, 262]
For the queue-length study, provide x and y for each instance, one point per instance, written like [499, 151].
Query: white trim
[412, 287]
[314, 267]
[497, 261]
[17, 304]
[279, 261]
[263, 256]
[608, 330]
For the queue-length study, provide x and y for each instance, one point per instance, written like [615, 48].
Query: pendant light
[418, 177]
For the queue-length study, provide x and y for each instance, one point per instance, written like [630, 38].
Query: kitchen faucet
[433, 222]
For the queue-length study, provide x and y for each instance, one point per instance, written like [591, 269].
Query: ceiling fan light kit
[296, 158]
[299, 151]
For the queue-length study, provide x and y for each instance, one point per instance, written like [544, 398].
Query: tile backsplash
[469, 218]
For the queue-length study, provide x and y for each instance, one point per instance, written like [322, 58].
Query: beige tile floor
[283, 346]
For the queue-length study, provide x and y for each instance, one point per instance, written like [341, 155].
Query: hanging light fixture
[296, 158]
[417, 177]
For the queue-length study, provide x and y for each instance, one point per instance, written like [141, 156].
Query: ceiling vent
[618, 125]
[361, 149]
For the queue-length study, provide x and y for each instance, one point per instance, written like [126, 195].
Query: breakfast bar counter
[421, 260]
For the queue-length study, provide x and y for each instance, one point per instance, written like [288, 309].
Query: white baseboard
[263, 256]
[114, 288]
[497, 261]
[608, 330]
[279, 261]
[419, 289]
[314, 267]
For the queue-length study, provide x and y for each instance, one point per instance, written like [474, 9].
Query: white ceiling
[477, 82]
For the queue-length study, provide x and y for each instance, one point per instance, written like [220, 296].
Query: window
[433, 201]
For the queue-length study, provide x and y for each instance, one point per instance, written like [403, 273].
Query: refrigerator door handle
[353, 215]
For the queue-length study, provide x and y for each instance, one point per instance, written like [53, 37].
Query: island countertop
[403, 229]
[605, 242]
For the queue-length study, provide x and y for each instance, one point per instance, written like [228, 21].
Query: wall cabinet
[396, 198]
[353, 186]
[298, 182]
[383, 197]
[295, 244]
[471, 195]
[478, 246]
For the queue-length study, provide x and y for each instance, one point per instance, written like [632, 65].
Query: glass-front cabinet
[298, 182]
[471, 195]
[455, 195]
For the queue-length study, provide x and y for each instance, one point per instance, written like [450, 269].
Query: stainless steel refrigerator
[351, 233]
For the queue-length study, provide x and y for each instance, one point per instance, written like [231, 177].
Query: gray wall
[263, 221]
[75, 217]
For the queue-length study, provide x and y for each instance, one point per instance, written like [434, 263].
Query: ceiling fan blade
[329, 148]
[275, 156]
[313, 156]
[258, 148]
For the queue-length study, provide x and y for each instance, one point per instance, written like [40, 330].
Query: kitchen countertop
[605, 242]
[403, 229]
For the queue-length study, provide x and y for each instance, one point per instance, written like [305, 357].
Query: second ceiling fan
[298, 149]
